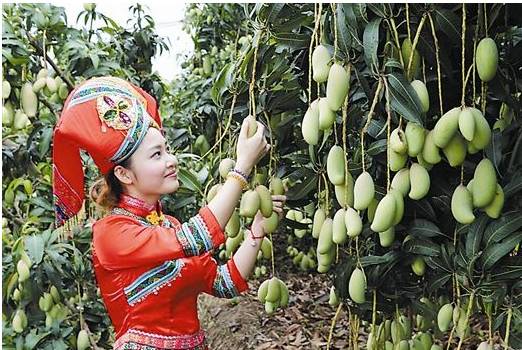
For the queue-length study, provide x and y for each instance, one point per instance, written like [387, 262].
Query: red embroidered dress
[151, 268]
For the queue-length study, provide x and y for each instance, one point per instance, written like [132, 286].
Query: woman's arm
[246, 255]
[249, 151]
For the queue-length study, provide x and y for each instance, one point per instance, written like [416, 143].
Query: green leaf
[421, 246]
[404, 99]
[424, 228]
[189, 180]
[301, 190]
[514, 186]
[376, 147]
[474, 235]
[449, 23]
[34, 245]
[292, 41]
[494, 149]
[502, 227]
[371, 43]
[439, 281]
[32, 339]
[497, 251]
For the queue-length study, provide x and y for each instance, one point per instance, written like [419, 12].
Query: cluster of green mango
[273, 293]
[321, 113]
[483, 191]
[305, 261]
[397, 335]
[53, 88]
[296, 215]
[449, 317]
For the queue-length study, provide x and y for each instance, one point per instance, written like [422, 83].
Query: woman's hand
[278, 202]
[250, 149]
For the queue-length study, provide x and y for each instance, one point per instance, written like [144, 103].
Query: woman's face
[153, 169]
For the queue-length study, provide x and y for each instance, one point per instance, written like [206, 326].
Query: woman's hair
[107, 190]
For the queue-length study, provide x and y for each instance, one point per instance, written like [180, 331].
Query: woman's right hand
[250, 149]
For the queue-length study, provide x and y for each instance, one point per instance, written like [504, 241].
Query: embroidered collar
[152, 213]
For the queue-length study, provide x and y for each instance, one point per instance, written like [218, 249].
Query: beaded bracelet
[239, 178]
[240, 173]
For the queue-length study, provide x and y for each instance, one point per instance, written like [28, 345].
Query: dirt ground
[304, 324]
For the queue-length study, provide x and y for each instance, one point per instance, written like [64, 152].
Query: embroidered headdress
[108, 117]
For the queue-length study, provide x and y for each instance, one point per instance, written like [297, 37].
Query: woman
[150, 267]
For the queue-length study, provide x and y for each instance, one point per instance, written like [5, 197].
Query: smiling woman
[149, 266]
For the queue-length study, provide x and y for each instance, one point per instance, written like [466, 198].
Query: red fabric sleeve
[224, 281]
[122, 242]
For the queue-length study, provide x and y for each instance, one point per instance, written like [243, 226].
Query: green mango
[462, 205]
[455, 150]
[445, 128]
[353, 222]
[467, 124]
[422, 94]
[486, 59]
[494, 209]
[415, 136]
[418, 266]
[339, 228]
[370, 212]
[283, 300]
[319, 217]
[334, 298]
[420, 181]
[406, 49]
[401, 181]
[398, 142]
[326, 115]
[384, 214]
[320, 59]
[484, 184]
[233, 225]
[344, 192]
[310, 124]
[265, 201]
[444, 317]
[82, 340]
[270, 224]
[325, 237]
[39, 84]
[357, 286]
[335, 165]
[225, 166]
[482, 135]
[396, 160]
[363, 191]
[430, 151]
[249, 204]
[274, 290]
[213, 191]
[337, 86]
[29, 100]
[399, 206]
[387, 237]
[276, 186]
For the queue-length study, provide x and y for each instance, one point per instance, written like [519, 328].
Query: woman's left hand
[278, 202]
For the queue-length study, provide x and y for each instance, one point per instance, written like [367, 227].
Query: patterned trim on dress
[138, 340]
[153, 280]
[63, 195]
[142, 220]
[194, 236]
[223, 286]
